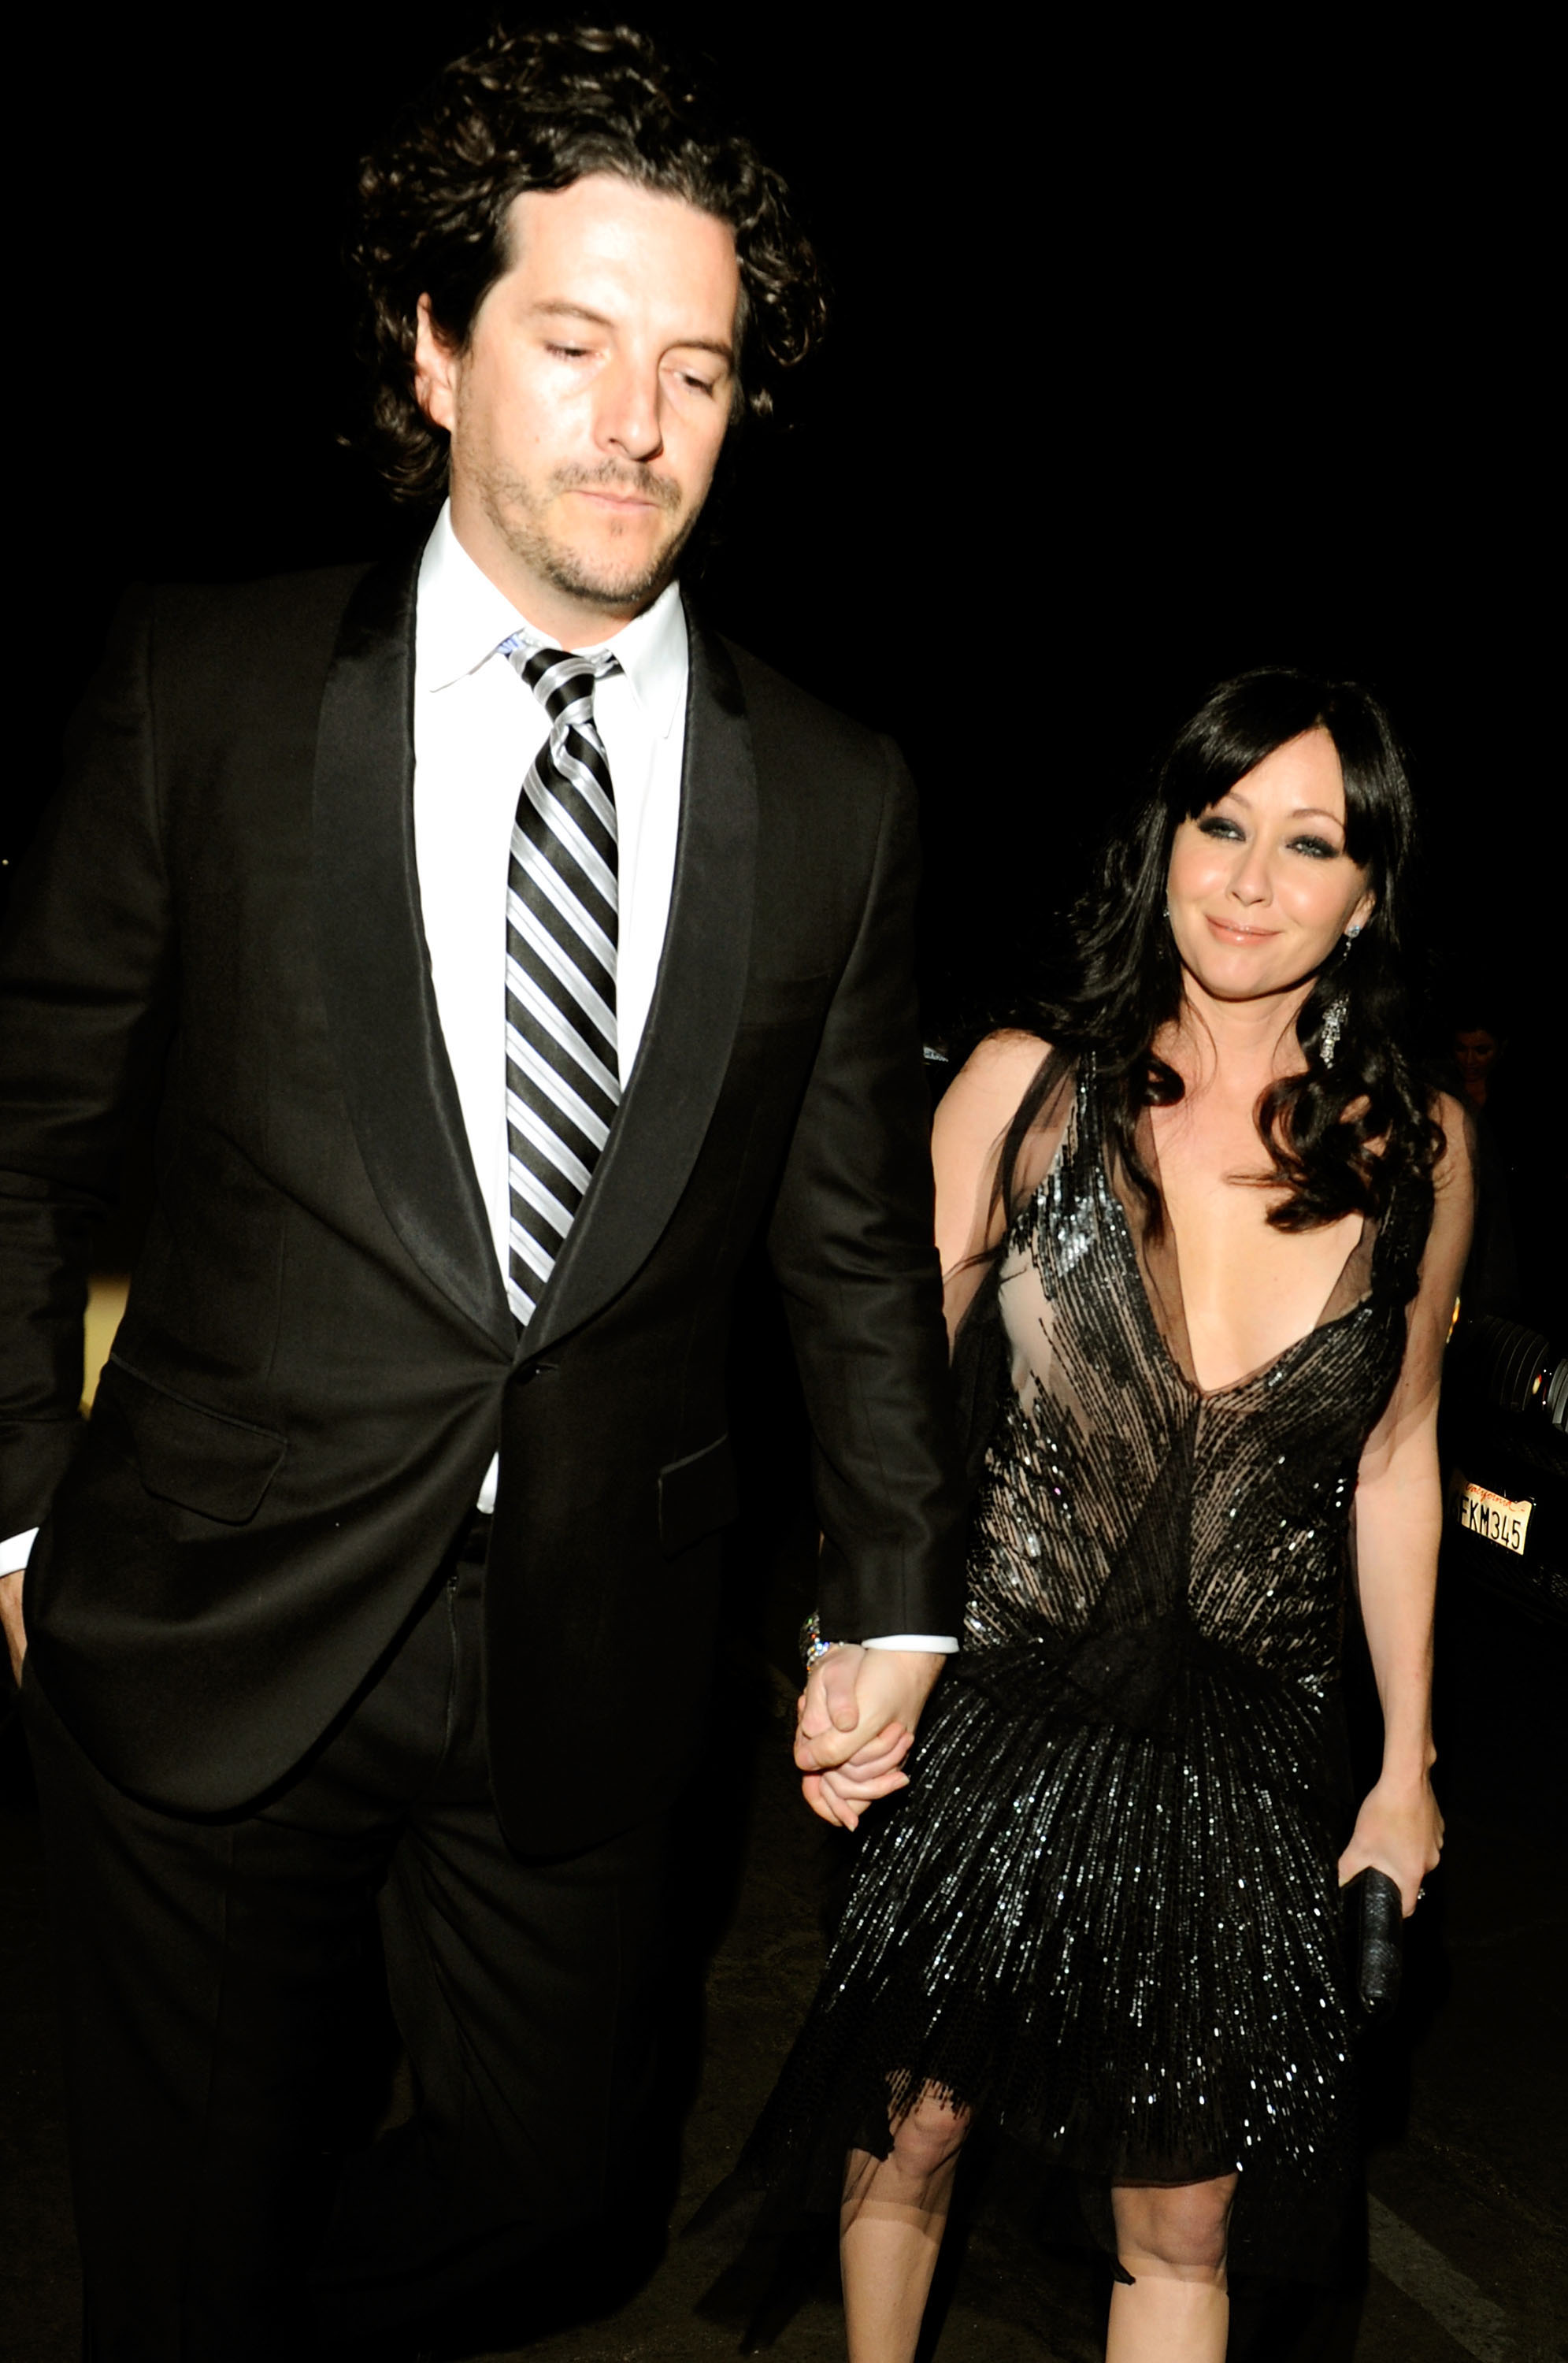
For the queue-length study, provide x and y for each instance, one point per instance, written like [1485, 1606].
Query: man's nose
[629, 412]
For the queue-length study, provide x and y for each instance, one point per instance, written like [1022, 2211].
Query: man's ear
[436, 370]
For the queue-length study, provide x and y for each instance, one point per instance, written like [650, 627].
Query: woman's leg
[1171, 2239]
[890, 2227]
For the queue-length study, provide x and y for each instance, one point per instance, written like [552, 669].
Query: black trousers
[213, 1980]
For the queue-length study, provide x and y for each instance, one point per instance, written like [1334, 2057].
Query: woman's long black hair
[1340, 1137]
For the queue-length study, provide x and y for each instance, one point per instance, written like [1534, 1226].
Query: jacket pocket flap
[695, 1495]
[202, 1460]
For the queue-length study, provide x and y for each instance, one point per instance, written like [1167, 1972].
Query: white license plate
[1492, 1516]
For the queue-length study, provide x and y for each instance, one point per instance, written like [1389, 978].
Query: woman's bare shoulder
[1001, 1067]
[972, 1121]
[975, 1111]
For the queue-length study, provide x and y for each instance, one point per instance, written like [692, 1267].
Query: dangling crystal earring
[1333, 1026]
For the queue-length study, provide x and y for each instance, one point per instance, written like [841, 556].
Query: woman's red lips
[1247, 935]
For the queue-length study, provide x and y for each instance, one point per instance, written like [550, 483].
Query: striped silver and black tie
[562, 1082]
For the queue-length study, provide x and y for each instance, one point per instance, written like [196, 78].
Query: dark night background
[1156, 353]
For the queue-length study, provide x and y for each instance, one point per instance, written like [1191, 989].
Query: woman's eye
[1318, 847]
[1212, 825]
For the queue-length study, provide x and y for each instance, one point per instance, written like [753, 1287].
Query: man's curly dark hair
[539, 109]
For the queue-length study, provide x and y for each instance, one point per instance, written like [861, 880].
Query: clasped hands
[855, 1724]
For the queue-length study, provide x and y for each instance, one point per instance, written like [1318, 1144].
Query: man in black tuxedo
[504, 951]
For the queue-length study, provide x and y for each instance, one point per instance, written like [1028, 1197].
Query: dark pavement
[1466, 2094]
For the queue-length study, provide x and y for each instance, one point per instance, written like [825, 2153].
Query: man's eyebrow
[560, 308]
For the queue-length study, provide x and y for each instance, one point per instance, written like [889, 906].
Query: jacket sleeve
[85, 992]
[851, 1243]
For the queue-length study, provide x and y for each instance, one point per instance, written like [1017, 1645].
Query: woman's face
[1476, 1050]
[1261, 889]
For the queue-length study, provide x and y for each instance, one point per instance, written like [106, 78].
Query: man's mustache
[611, 477]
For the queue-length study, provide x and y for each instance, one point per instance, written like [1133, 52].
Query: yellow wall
[106, 1303]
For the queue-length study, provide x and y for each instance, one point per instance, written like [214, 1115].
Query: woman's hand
[1398, 1830]
[854, 1724]
[842, 1794]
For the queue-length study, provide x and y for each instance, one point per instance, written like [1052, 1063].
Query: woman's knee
[929, 2135]
[1180, 2228]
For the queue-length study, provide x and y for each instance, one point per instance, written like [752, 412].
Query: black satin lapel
[374, 963]
[674, 1086]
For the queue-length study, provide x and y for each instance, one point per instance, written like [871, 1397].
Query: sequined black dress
[1104, 1913]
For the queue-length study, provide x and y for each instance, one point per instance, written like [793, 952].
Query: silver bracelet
[813, 1649]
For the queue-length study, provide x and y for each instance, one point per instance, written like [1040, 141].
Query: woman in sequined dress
[1202, 1233]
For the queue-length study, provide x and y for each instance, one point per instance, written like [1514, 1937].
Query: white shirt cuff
[16, 1553]
[939, 1645]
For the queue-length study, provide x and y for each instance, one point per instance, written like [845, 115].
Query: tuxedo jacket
[317, 1361]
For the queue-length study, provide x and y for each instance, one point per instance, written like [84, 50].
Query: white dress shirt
[476, 728]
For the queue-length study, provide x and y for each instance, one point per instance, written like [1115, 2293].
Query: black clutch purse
[1375, 1942]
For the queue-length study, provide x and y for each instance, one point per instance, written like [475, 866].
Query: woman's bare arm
[1398, 1524]
[967, 1139]
[971, 1123]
